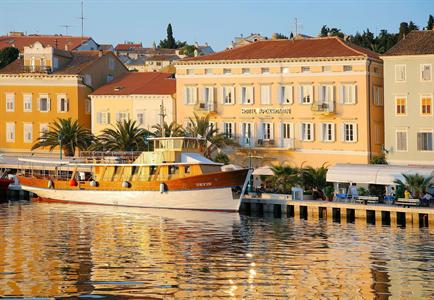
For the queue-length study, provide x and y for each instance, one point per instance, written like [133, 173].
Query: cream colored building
[135, 96]
[409, 90]
[305, 101]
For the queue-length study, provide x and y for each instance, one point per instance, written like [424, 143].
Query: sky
[214, 21]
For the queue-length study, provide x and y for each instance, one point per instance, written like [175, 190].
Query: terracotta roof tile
[140, 83]
[128, 47]
[415, 43]
[56, 41]
[295, 48]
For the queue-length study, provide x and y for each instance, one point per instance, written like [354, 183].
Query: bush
[221, 158]
[378, 160]
[328, 191]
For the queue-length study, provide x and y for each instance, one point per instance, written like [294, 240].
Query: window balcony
[268, 143]
[288, 143]
[324, 108]
[205, 107]
[36, 69]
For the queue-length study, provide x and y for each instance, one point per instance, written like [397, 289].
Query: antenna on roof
[66, 28]
[82, 19]
[297, 26]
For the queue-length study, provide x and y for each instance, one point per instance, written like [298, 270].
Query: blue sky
[215, 22]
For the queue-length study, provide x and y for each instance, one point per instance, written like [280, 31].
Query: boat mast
[162, 116]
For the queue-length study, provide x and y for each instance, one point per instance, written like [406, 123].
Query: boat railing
[96, 157]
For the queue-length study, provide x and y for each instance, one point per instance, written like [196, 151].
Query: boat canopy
[374, 174]
[264, 171]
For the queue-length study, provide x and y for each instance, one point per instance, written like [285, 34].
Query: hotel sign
[265, 111]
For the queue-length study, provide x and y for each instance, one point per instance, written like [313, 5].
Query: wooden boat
[174, 175]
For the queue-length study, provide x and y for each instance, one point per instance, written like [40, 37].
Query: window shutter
[118, 117]
[185, 95]
[38, 103]
[280, 134]
[98, 118]
[59, 104]
[240, 95]
[341, 94]
[419, 141]
[48, 104]
[108, 117]
[222, 95]
[322, 130]
[355, 131]
[290, 91]
[280, 95]
[313, 131]
[195, 92]
[354, 94]
[260, 131]
[333, 132]
[342, 132]
[320, 94]
[233, 94]
[251, 93]
[234, 130]
[300, 94]
[67, 104]
[301, 131]
[272, 131]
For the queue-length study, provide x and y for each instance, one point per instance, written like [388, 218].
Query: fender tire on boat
[125, 184]
[93, 183]
[50, 184]
[162, 187]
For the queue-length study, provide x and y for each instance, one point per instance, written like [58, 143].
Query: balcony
[268, 143]
[36, 69]
[323, 108]
[205, 107]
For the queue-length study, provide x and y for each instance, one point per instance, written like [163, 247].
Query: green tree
[8, 55]
[378, 160]
[315, 179]
[72, 135]
[416, 184]
[221, 158]
[430, 23]
[169, 42]
[403, 30]
[279, 36]
[201, 127]
[124, 136]
[170, 130]
[187, 50]
[285, 178]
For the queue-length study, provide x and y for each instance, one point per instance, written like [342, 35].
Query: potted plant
[328, 191]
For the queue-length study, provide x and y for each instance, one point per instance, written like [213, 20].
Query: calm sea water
[58, 250]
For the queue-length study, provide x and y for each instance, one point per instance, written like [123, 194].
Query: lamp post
[250, 186]
[59, 139]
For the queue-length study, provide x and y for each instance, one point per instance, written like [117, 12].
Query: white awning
[373, 174]
[265, 171]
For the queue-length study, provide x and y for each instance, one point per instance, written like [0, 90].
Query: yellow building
[134, 96]
[46, 84]
[313, 100]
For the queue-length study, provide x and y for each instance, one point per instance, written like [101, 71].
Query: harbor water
[88, 251]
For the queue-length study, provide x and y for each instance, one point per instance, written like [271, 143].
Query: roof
[374, 174]
[415, 43]
[128, 47]
[152, 51]
[56, 41]
[295, 48]
[140, 83]
[80, 61]
[160, 57]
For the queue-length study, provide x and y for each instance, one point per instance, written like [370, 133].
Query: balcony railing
[323, 108]
[36, 69]
[266, 143]
[206, 106]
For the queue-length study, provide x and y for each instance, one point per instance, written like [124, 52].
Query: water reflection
[51, 250]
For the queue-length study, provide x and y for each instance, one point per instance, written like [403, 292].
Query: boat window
[173, 170]
[152, 170]
[187, 169]
[135, 170]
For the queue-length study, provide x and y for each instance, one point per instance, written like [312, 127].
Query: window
[43, 128]
[348, 68]
[228, 95]
[228, 129]
[348, 93]
[285, 94]
[306, 131]
[425, 72]
[426, 105]
[208, 71]
[305, 69]
[103, 118]
[401, 140]
[190, 72]
[286, 131]
[265, 94]
[326, 68]
[190, 95]
[265, 70]
[10, 132]
[424, 141]
[284, 70]
[227, 71]
[62, 103]
[208, 94]
[140, 118]
[88, 106]
[306, 94]
[349, 132]
[326, 93]
[27, 102]
[246, 133]
[245, 71]
[28, 132]
[378, 95]
[122, 116]
[247, 95]
[10, 102]
[109, 78]
[111, 63]
[44, 103]
[327, 132]
[400, 106]
[267, 131]
[400, 73]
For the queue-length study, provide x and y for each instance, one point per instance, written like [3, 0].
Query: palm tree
[202, 127]
[70, 135]
[315, 178]
[170, 130]
[416, 184]
[285, 178]
[124, 136]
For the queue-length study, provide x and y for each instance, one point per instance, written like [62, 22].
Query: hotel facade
[409, 90]
[304, 101]
[46, 84]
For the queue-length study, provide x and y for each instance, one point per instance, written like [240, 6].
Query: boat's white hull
[220, 199]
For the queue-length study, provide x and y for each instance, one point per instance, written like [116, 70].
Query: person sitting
[407, 194]
[426, 199]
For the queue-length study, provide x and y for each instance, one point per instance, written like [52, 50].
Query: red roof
[56, 41]
[294, 48]
[128, 47]
[140, 83]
